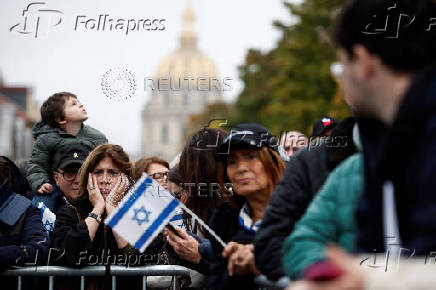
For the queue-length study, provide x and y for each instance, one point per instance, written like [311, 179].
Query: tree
[215, 116]
[291, 86]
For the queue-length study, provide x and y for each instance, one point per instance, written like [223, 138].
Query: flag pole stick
[204, 225]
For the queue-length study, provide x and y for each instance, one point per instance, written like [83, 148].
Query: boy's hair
[405, 47]
[53, 108]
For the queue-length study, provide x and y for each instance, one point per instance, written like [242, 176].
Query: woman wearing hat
[250, 161]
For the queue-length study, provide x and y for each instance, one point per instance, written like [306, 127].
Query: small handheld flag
[48, 218]
[145, 211]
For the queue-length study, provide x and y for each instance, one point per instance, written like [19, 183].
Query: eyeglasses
[68, 175]
[159, 175]
[111, 174]
[337, 69]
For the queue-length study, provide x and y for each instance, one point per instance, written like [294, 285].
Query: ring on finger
[91, 187]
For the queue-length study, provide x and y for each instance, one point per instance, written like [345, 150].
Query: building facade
[18, 113]
[185, 83]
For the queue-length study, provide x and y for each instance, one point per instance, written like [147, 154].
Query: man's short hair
[53, 108]
[407, 44]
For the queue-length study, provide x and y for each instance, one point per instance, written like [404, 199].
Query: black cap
[247, 136]
[323, 124]
[70, 154]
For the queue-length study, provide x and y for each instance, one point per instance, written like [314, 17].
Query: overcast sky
[61, 58]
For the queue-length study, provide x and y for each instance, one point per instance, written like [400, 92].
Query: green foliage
[214, 116]
[291, 86]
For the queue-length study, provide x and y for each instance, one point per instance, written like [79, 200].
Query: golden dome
[187, 61]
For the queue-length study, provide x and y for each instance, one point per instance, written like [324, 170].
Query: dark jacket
[71, 237]
[224, 222]
[17, 181]
[25, 241]
[53, 201]
[303, 177]
[47, 142]
[71, 234]
[405, 154]
[328, 219]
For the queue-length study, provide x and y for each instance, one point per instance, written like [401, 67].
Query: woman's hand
[117, 193]
[241, 259]
[95, 196]
[185, 246]
[97, 201]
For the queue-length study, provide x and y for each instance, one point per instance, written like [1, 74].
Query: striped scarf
[246, 222]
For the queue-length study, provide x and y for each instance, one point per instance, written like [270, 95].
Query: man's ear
[55, 177]
[367, 62]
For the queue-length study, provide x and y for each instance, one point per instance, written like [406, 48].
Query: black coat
[25, 242]
[71, 235]
[303, 177]
[406, 155]
[224, 222]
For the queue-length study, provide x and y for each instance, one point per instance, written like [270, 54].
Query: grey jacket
[47, 141]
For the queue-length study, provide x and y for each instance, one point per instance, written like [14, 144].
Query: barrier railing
[145, 271]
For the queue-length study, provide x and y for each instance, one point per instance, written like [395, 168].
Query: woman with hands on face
[249, 160]
[106, 187]
[105, 177]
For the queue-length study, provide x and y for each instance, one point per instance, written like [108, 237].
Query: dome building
[185, 83]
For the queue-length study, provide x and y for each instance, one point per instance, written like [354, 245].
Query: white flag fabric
[143, 213]
[47, 216]
[177, 219]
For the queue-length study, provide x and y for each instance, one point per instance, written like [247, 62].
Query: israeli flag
[143, 213]
[48, 218]
[177, 219]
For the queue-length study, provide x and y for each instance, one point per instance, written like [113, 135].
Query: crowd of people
[307, 212]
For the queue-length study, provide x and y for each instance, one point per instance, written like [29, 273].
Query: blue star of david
[48, 226]
[141, 215]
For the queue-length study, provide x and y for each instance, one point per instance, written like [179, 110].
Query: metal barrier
[145, 271]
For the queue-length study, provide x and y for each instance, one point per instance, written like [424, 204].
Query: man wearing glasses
[67, 161]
